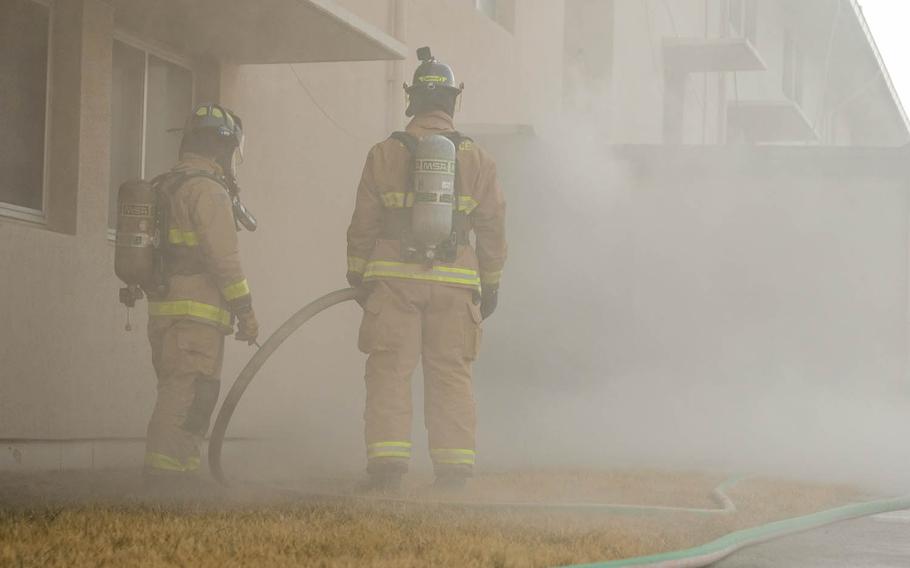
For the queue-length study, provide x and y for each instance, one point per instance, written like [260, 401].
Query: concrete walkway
[882, 541]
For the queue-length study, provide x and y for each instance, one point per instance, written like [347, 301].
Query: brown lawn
[104, 519]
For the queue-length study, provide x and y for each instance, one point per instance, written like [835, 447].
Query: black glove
[355, 279]
[489, 297]
[247, 326]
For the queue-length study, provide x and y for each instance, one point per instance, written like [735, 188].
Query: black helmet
[432, 74]
[211, 118]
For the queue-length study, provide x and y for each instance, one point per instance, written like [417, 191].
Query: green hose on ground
[697, 557]
[714, 551]
[216, 440]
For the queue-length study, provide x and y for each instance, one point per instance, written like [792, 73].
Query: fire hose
[295, 322]
[690, 558]
[709, 553]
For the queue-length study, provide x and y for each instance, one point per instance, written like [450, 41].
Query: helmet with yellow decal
[432, 77]
[216, 124]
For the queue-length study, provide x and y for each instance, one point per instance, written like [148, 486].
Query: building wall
[837, 59]
[70, 371]
[59, 378]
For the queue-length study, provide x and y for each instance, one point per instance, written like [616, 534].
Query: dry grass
[274, 529]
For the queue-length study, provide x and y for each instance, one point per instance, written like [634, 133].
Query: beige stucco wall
[65, 368]
[68, 368]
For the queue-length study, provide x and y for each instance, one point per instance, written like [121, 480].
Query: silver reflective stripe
[134, 240]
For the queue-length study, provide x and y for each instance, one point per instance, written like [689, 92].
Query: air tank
[434, 191]
[137, 233]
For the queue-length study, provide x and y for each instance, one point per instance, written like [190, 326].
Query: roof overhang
[265, 31]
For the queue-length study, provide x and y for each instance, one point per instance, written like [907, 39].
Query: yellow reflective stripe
[466, 204]
[453, 456]
[356, 264]
[397, 199]
[389, 450]
[236, 290]
[432, 79]
[490, 277]
[428, 277]
[167, 463]
[389, 454]
[444, 274]
[422, 267]
[192, 309]
[178, 237]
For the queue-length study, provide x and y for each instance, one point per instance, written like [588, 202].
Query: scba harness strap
[166, 185]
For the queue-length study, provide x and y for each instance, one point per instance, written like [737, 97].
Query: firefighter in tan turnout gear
[422, 193]
[204, 290]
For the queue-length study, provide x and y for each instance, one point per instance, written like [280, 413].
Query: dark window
[500, 11]
[170, 99]
[488, 7]
[150, 100]
[127, 95]
[24, 32]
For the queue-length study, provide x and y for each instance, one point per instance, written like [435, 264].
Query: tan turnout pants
[406, 322]
[187, 358]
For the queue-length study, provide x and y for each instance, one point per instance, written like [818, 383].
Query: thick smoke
[734, 309]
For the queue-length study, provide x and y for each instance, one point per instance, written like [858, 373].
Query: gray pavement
[882, 541]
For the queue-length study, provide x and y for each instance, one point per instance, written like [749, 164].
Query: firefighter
[424, 306]
[205, 292]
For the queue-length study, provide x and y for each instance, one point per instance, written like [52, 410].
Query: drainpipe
[398, 27]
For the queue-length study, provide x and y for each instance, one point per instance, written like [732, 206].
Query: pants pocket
[473, 332]
[200, 348]
[370, 337]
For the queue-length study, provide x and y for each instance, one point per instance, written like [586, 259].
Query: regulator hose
[295, 322]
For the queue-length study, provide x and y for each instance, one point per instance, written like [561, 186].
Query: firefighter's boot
[381, 483]
[450, 483]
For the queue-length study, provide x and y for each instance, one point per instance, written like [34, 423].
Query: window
[488, 7]
[500, 11]
[150, 99]
[793, 70]
[24, 52]
[743, 18]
